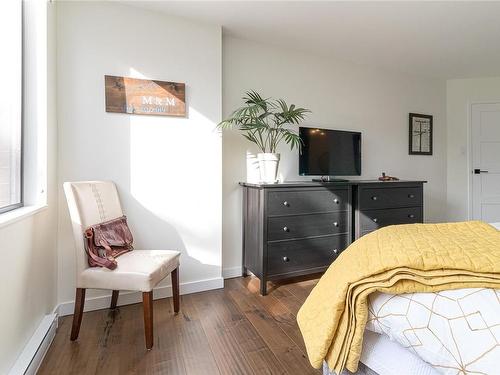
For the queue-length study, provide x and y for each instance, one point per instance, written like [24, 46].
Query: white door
[486, 162]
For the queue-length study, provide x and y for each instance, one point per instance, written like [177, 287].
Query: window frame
[20, 204]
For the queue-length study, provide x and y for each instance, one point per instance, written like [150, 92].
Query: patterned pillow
[455, 331]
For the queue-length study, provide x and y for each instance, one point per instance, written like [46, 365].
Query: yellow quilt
[397, 259]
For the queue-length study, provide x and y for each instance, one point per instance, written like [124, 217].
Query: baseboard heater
[31, 358]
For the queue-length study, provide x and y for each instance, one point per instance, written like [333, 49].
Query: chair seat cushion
[138, 270]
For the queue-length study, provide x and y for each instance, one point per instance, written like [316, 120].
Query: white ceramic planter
[268, 167]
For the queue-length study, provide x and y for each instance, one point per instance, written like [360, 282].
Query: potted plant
[265, 122]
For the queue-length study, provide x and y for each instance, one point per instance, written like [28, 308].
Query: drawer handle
[375, 220]
[336, 201]
[286, 204]
[411, 216]
[286, 229]
[411, 195]
[374, 198]
[335, 251]
[335, 224]
[286, 259]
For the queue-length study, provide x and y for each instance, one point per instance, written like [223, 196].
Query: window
[11, 100]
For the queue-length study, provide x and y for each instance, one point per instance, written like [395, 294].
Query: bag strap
[108, 262]
[105, 244]
[105, 262]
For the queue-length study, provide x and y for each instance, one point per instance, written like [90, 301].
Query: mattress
[385, 357]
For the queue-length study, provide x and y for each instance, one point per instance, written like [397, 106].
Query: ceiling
[437, 39]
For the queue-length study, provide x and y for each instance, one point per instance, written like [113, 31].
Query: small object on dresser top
[384, 177]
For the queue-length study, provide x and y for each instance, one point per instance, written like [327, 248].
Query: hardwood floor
[227, 331]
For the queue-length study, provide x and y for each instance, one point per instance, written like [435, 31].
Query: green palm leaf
[264, 121]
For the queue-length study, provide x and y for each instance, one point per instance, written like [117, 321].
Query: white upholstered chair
[92, 202]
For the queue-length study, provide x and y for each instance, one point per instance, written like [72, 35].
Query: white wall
[28, 246]
[341, 96]
[461, 93]
[168, 170]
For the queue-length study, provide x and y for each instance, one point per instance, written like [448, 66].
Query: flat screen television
[327, 152]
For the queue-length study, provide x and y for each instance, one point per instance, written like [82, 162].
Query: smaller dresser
[294, 229]
[377, 205]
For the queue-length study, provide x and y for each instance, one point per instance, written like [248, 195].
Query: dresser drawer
[302, 255]
[374, 219]
[307, 201]
[287, 227]
[390, 197]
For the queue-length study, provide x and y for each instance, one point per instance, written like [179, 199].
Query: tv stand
[329, 179]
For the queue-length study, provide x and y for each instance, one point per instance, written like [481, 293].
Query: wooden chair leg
[147, 302]
[78, 313]
[114, 299]
[175, 289]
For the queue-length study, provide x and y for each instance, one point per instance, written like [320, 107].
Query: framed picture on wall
[420, 134]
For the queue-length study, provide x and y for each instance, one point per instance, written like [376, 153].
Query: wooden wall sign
[145, 97]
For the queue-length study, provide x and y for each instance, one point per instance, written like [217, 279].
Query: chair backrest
[89, 203]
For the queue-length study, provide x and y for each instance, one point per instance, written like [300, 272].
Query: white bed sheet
[496, 225]
[387, 357]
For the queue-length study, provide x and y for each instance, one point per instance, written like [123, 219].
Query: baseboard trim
[32, 356]
[127, 298]
[231, 272]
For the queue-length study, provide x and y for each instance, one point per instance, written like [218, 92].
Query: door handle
[478, 171]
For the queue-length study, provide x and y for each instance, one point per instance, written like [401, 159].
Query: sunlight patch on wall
[253, 174]
[170, 161]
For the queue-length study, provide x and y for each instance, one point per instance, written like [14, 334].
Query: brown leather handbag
[106, 241]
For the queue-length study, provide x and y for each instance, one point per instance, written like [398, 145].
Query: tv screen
[328, 152]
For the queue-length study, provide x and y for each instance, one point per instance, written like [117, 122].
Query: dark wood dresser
[298, 228]
[377, 205]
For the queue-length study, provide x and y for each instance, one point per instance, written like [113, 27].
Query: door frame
[470, 192]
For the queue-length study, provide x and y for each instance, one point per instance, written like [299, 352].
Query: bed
[445, 332]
